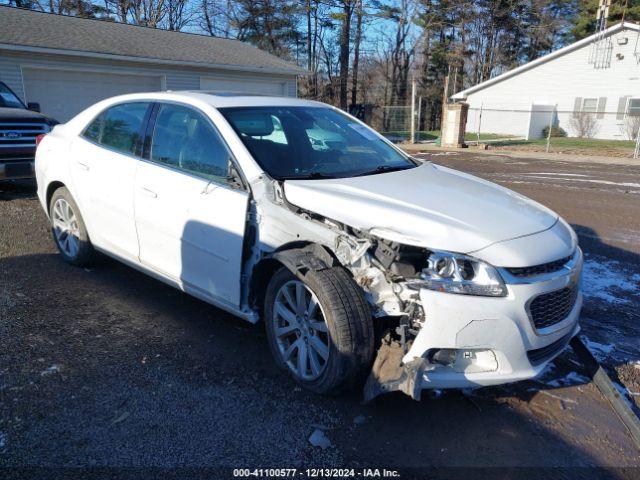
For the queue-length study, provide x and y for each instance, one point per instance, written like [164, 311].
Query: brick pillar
[454, 125]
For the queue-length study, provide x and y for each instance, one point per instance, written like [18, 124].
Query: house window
[590, 105]
[633, 107]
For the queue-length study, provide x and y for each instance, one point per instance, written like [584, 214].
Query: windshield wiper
[309, 176]
[383, 169]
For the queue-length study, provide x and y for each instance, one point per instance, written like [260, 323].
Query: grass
[594, 146]
[567, 142]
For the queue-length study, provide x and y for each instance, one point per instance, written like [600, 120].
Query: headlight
[457, 273]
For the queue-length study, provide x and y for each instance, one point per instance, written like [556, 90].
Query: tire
[347, 319]
[74, 247]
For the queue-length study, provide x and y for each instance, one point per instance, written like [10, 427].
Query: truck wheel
[68, 229]
[319, 328]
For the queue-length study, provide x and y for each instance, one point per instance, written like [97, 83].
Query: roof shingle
[29, 28]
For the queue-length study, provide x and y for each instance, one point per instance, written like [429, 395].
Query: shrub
[555, 132]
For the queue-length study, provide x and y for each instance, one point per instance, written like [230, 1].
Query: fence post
[553, 110]
[412, 135]
[480, 123]
[419, 116]
[636, 153]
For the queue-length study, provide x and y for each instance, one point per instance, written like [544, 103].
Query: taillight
[39, 138]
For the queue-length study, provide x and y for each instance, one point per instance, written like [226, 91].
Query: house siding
[562, 80]
[172, 78]
[11, 75]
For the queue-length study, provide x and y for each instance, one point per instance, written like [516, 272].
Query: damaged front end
[390, 374]
[398, 278]
[441, 319]
[383, 269]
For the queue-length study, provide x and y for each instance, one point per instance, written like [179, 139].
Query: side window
[633, 110]
[94, 130]
[590, 105]
[183, 138]
[119, 127]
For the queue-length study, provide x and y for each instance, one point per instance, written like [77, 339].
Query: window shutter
[577, 105]
[602, 103]
[622, 107]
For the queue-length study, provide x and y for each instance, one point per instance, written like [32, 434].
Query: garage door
[261, 87]
[64, 93]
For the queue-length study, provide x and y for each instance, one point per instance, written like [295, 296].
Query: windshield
[8, 98]
[312, 142]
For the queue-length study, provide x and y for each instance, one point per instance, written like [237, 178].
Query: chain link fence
[589, 130]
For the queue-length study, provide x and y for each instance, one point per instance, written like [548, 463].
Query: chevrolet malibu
[358, 258]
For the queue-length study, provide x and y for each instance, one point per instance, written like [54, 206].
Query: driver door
[190, 219]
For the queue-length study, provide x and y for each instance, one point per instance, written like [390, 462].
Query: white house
[67, 63]
[593, 83]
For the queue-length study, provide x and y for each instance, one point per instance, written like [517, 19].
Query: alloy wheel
[65, 228]
[300, 330]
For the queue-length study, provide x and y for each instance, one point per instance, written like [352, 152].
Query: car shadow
[15, 189]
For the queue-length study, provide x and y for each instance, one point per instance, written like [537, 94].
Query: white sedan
[357, 257]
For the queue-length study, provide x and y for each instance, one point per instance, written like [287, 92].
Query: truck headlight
[456, 273]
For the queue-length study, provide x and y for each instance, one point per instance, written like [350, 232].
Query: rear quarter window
[119, 127]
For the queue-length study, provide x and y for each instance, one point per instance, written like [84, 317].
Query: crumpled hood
[429, 206]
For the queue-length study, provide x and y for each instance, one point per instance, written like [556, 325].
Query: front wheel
[319, 328]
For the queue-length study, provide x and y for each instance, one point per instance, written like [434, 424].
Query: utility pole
[412, 134]
[445, 99]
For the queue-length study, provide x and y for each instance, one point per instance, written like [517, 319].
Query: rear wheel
[319, 328]
[68, 229]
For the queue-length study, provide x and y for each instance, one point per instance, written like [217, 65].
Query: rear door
[103, 168]
[190, 219]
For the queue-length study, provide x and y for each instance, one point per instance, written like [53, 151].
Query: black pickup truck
[19, 126]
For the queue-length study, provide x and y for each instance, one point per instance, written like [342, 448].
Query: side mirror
[233, 177]
[33, 106]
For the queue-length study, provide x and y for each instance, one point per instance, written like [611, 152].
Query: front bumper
[17, 169]
[502, 326]
[498, 333]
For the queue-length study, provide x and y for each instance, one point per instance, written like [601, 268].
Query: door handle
[82, 165]
[149, 193]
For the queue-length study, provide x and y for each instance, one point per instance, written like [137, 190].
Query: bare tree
[356, 52]
[631, 126]
[584, 124]
[346, 12]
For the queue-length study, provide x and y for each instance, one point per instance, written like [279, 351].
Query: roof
[197, 98]
[558, 53]
[219, 99]
[28, 30]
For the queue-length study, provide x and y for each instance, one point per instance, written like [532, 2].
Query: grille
[553, 307]
[541, 355]
[539, 269]
[20, 135]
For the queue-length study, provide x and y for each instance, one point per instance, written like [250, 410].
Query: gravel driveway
[108, 369]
